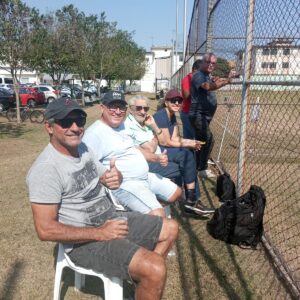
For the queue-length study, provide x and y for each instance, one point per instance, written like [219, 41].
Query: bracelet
[158, 133]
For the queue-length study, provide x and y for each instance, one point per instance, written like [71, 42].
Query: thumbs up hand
[112, 178]
[112, 164]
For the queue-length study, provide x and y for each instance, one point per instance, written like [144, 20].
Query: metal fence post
[209, 29]
[245, 94]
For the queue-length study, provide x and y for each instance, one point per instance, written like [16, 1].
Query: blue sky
[154, 22]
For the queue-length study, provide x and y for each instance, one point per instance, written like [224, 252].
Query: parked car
[6, 99]
[31, 96]
[65, 91]
[7, 86]
[76, 92]
[90, 88]
[89, 98]
[50, 93]
[6, 80]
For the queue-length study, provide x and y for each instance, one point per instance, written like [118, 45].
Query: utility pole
[184, 30]
[176, 38]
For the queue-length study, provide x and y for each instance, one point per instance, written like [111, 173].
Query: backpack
[225, 187]
[240, 221]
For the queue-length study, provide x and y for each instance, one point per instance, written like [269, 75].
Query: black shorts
[113, 257]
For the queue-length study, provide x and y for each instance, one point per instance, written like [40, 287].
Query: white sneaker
[172, 252]
[210, 162]
[206, 173]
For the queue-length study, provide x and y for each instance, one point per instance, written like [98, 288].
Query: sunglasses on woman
[175, 100]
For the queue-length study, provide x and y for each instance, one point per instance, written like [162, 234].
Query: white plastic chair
[118, 206]
[167, 210]
[113, 287]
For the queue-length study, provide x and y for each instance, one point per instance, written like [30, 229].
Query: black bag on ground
[240, 221]
[225, 187]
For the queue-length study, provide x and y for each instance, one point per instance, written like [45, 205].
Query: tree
[127, 59]
[222, 68]
[16, 23]
[104, 49]
[77, 27]
[137, 68]
[50, 52]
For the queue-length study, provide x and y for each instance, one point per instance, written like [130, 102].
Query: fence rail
[257, 124]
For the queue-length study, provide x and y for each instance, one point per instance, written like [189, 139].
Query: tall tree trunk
[16, 89]
[82, 93]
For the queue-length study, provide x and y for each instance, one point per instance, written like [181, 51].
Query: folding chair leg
[113, 288]
[79, 281]
[57, 282]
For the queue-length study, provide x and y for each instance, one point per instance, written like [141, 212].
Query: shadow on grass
[12, 130]
[219, 274]
[13, 276]
[239, 273]
[205, 189]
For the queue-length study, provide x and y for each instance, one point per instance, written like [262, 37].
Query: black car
[89, 97]
[6, 99]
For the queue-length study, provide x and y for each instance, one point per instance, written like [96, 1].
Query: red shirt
[186, 86]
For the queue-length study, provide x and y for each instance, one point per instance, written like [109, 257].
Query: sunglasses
[210, 62]
[140, 108]
[68, 122]
[176, 100]
[113, 108]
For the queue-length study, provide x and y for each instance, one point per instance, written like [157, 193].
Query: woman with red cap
[178, 150]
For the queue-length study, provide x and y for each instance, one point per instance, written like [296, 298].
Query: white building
[279, 57]
[26, 76]
[161, 64]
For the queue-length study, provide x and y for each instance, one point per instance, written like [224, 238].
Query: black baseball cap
[61, 107]
[113, 96]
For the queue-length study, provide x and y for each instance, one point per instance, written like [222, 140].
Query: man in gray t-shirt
[68, 190]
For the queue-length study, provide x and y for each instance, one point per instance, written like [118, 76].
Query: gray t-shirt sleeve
[44, 184]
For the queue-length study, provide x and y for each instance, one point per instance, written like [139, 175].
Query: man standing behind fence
[203, 108]
[187, 128]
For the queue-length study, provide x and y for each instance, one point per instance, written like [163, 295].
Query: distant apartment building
[279, 57]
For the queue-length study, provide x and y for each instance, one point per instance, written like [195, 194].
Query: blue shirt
[202, 101]
[162, 120]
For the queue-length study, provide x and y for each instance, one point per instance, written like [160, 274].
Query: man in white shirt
[145, 133]
[107, 139]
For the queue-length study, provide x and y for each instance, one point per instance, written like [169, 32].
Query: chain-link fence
[257, 124]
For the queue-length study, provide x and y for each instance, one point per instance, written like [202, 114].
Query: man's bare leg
[148, 270]
[160, 211]
[176, 196]
[167, 237]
